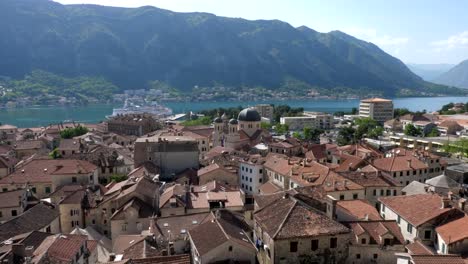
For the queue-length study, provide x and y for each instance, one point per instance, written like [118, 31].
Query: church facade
[236, 133]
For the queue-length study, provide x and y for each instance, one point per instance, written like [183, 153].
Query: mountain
[456, 76]
[429, 72]
[131, 46]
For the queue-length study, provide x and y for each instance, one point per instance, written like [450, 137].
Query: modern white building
[309, 119]
[251, 173]
[378, 109]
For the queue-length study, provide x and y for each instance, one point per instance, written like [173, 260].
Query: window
[242, 177]
[407, 173]
[358, 256]
[314, 244]
[260, 171]
[394, 193]
[4, 189]
[342, 197]
[355, 196]
[124, 227]
[363, 241]
[381, 192]
[398, 219]
[375, 192]
[414, 172]
[47, 189]
[250, 180]
[387, 242]
[48, 229]
[409, 228]
[260, 180]
[376, 256]
[230, 248]
[333, 242]
[1, 214]
[443, 248]
[293, 246]
[427, 234]
[389, 192]
[33, 189]
[90, 177]
[14, 213]
[250, 170]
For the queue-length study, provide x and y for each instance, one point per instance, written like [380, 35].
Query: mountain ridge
[456, 76]
[132, 46]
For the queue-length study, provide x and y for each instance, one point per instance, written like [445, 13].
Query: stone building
[171, 154]
[133, 124]
[288, 229]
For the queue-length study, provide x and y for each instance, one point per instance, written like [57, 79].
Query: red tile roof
[376, 230]
[416, 209]
[437, 259]
[454, 231]
[42, 170]
[65, 248]
[287, 218]
[359, 209]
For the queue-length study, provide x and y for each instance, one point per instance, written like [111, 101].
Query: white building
[310, 119]
[251, 173]
[378, 109]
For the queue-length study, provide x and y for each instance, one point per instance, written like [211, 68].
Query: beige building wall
[71, 217]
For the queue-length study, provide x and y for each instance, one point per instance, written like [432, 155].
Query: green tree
[433, 133]
[265, 125]
[411, 130]
[118, 177]
[202, 121]
[281, 129]
[72, 132]
[459, 146]
[312, 134]
[367, 127]
[399, 112]
[54, 154]
[297, 135]
[346, 136]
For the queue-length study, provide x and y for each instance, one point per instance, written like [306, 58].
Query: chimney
[461, 203]
[445, 202]
[366, 217]
[409, 163]
[111, 257]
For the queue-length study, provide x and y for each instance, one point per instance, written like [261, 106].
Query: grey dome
[217, 120]
[233, 121]
[249, 115]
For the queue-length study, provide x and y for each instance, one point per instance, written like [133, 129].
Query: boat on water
[142, 107]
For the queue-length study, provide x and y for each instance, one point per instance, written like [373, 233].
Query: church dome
[249, 115]
[233, 121]
[217, 120]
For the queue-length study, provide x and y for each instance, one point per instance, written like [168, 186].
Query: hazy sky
[418, 31]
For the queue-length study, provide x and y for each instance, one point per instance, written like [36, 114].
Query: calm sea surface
[44, 115]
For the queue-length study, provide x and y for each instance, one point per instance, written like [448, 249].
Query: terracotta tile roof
[287, 218]
[399, 163]
[42, 170]
[173, 191]
[269, 188]
[28, 144]
[377, 229]
[214, 233]
[419, 208]
[123, 242]
[370, 179]
[202, 199]
[69, 144]
[217, 151]
[213, 186]
[359, 209]
[143, 209]
[317, 152]
[418, 248]
[349, 162]
[454, 231]
[178, 226]
[36, 218]
[437, 259]
[175, 259]
[12, 198]
[451, 124]
[414, 118]
[141, 249]
[65, 248]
